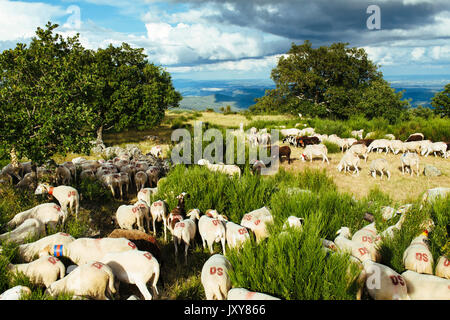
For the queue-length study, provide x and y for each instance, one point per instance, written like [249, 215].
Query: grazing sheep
[303, 141]
[367, 237]
[389, 232]
[349, 160]
[235, 234]
[244, 294]
[15, 293]
[417, 257]
[145, 194]
[154, 175]
[365, 142]
[379, 165]
[67, 196]
[129, 215]
[91, 175]
[63, 175]
[93, 279]
[411, 146]
[389, 136]
[140, 178]
[28, 181]
[410, 160]
[143, 241]
[135, 267]
[229, 169]
[158, 210]
[396, 146]
[184, 231]
[28, 251]
[156, 151]
[435, 147]
[443, 267]
[29, 228]
[212, 230]
[72, 168]
[215, 279]
[426, 286]
[43, 271]
[360, 150]
[383, 283]
[47, 213]
[357, 133]
[257, 221]
[317, 150]
[379, 144]
[83, 250]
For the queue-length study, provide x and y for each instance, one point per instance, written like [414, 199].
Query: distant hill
[241, 94]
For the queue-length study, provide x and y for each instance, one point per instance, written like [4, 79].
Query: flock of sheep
[99, 263]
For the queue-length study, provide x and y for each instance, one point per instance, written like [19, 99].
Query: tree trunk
[100, 134]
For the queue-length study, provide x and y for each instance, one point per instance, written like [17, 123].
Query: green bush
[332, 147]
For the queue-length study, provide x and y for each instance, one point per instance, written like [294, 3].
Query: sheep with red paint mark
[215, 279]
[67, 196]
[212, 230]
[244, 294]
[127, 216]
[417, 257]
[426, 286]
[235, 234]
[47, 213]
[184, 232]
[29, 251]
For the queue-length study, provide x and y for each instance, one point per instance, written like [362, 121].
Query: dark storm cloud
[323, 21]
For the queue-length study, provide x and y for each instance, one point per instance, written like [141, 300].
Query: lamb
[67, 196]
[47, 213]
[83, 250]
[28, 251]
[383, 283]
[257, 221]
[43, 271]
[15, 293]
[283, 151]
[185, 231]
[379, 144]
[410, 160]
[135, 267]
[158, 210]
[129, 215]
[229, 169]
[349, 160]
[215, 279]
[29, 228]
[244, 294]
[379, 165]
[317, 150]
[426, 286]
[212, 230]
[235, 234]
[417, 257]
[359, 150]
[93, 279]
[443, 267]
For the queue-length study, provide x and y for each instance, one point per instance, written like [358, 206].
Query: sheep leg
[154, 227]
[381, 171]
[143, 289]
[223, 245]
[186, 248]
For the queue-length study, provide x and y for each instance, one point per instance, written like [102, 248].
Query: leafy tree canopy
[441, 102]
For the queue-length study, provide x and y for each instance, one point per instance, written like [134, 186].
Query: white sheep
[426, 286]
[28, 251]
[257, 221]
[315, 150]
[215, 279]
[435, 147]
[379, 165]
[159, 212]
[83, 250]
[410, 160]
[43, 271]
[360, 150]
[294, 222]
[93, 279]
[412, 146]
[443, 267]
[349, 159]
[156, 151]
[387, 213]
[67, 196]
[396, 146]
[244, 294]
[357, 133]
[140, 178]
[212, 230]
[379, 144]
[367, 237]
[135, 267]
[129, 215]
[29, 228]
[344, 244]
[229, 169]
[184, 231]
[15, 293]
[389, 232]
[47, 213]
[417, 257]
[145, 194]
[383, 283]
[235, 234]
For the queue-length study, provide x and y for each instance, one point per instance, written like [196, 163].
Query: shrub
[332, 147]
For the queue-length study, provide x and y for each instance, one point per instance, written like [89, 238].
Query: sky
[243, 39]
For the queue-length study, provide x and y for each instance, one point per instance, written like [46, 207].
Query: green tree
[130, 91]
[327, 82]
[44, 89]
[441, 102]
